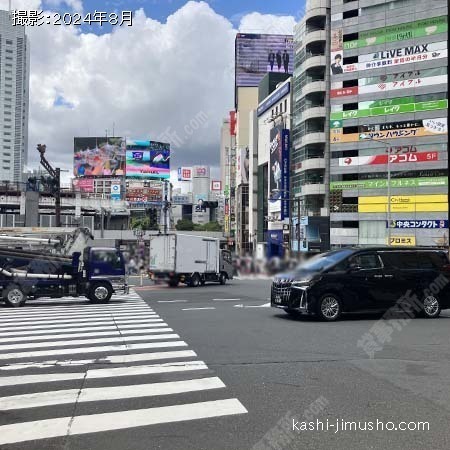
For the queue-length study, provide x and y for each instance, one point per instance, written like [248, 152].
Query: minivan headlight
[307, 282]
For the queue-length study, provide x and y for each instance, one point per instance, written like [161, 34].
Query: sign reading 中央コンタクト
[420, 224]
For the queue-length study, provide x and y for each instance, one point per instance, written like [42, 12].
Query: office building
[14, 87]
[388, 122]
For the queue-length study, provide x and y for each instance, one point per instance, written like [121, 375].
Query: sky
[167, 77]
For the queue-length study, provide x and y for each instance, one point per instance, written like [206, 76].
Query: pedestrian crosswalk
[70, 368]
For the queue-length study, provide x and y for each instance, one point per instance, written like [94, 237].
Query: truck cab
[104, 273]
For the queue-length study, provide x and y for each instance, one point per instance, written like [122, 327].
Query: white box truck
[193, 260]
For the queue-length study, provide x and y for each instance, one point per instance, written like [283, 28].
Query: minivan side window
[366, 261]
[401, 260]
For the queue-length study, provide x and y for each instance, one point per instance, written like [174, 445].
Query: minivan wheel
[431, 307]
[329, 307]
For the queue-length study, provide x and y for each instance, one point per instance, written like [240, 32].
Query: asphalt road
[215, 368]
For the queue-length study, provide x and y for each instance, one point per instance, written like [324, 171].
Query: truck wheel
[222, 278]
[195, 280]
[14, 296]
[100, 292]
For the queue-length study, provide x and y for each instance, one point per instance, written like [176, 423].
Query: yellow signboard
[402, 241]
[403, 199]
[402, 207]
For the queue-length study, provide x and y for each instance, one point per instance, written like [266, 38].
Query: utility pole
[56, 180]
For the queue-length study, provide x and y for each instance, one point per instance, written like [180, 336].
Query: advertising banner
[115, 191]
[393, 33]
[201, 171]
[285, 178]
[399, 204]
[243, 166]
[83, 184]
[233, 123]
[394, 130]
[185, 173]
[395, 108]
[99, 156]
[258, 54]
[398, 56]
[276, 168]
[421, 224]
[383, 184]
[145, 194]
[395, 159]
[147, 160]
[401, 241]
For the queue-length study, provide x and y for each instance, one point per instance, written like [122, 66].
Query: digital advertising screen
[147, 159]
[258, 54]
[99, 156]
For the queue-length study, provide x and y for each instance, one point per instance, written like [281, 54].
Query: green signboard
[385, 110]
[383, 184]
[394, 33]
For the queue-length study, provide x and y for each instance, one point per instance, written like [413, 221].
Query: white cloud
[144, 78]
[267, 24]
[74, 5]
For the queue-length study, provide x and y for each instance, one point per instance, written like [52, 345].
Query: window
[401, 260]
[111, 258]
[366, 261]
[351, 13]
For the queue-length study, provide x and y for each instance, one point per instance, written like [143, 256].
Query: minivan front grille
[281, 291]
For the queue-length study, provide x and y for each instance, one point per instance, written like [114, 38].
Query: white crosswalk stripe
[135, 355]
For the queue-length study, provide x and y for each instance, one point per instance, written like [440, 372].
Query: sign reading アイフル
[147, 159]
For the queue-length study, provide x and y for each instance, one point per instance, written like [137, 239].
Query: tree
[143, 223]
[212, 226]
[185, 225]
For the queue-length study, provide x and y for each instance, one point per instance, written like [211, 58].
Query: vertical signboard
[115, 190]
[285, 174]
[276, 161]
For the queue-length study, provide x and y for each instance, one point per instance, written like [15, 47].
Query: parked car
[366, 279]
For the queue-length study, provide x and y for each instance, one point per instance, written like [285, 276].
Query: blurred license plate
[277, 299]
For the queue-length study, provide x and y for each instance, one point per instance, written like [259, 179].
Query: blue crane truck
[74, 269]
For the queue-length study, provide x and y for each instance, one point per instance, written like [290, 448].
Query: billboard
[420, 224]
[201, 171]
[279, 171]
[383, 183]
[258, 54]
[137, 193]
[83, 184]
[393, 130]
[394, 159]
[402, 241]
[243, 166]
[397, 106]
[404, 203]
[401, 32]
[185, 173]
[99, 156]
[147, 159]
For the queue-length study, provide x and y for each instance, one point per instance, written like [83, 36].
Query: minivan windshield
[323, 261]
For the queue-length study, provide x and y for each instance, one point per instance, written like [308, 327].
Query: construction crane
[55, 174]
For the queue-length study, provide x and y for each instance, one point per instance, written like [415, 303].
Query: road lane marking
[226, 299]
[104, 373]
[73, 342]
[265, 305]
[101, 349]
[61, 397]
[82, 327]
[113, 333]
[114, 359]
[197, 309]
[94, 423]
[172, 301]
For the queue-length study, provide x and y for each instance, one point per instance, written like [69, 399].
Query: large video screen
[147, 159]
[99, 156]
[258, 54]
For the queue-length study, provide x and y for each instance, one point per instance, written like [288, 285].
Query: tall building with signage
[14, 87]
[388, 122]
[255, 55]
[272, 184]
[310, 147]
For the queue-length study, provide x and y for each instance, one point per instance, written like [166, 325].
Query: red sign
[233, 123]
[344, 92]
[216, 185]
[383, 159]
[83, 184]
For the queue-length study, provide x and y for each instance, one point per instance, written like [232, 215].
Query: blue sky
[161, 9]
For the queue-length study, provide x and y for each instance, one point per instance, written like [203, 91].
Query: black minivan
[366, 279]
